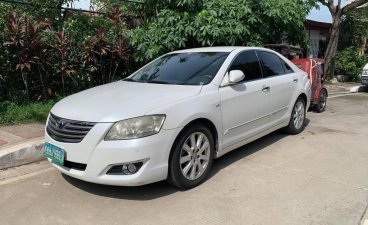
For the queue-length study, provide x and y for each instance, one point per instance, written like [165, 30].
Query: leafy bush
[349, 63]
[39, 60]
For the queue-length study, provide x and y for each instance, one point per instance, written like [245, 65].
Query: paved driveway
[317, 177]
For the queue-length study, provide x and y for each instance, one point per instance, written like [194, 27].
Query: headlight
[136, 128]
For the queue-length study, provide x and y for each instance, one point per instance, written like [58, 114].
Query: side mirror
[235, 76]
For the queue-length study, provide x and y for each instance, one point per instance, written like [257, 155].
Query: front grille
[67, 131]
[74, 165]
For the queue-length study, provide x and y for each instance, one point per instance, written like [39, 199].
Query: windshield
[194, 68]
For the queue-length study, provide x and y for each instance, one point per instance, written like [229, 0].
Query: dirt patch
[318, 130]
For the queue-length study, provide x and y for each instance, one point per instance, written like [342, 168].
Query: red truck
[314, 68]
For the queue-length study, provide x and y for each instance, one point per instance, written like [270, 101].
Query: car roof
[217, 49]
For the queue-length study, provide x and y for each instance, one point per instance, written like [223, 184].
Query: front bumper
[364, 80]
[99, 156]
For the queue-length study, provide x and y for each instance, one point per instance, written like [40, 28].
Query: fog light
[132, 168]
[125, 169]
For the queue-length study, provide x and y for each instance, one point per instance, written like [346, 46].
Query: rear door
[245, 106]
[283, 84]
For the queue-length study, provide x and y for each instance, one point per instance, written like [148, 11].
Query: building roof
[317, 24]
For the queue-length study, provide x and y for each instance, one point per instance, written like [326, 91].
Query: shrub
[40, 60]
[349, 63]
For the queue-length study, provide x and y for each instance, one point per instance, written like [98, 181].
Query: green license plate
[55, 153]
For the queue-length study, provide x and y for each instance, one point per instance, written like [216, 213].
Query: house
[318, 33]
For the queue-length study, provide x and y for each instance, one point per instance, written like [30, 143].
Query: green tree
[354, 30]
[190, 23]
[338, 12]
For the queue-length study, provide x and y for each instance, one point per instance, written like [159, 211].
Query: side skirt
[252, 138]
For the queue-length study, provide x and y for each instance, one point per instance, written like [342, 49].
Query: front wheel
[192, 156]
[322, 101]
[296, 124]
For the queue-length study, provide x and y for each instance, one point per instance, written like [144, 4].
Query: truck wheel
[322, 101]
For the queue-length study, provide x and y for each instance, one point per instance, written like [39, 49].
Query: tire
[322, 101]
[297, 119]
[186, 157]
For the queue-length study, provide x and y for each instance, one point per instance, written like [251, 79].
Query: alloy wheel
[195, 155]
[299, 114]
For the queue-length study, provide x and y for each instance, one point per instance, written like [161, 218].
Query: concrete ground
[340, 88]
[317, 177]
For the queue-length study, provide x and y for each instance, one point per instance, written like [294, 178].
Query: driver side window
[248, 63]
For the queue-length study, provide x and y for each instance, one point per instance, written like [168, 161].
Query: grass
[11, 113]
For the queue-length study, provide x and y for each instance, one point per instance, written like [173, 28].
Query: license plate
[55, 153]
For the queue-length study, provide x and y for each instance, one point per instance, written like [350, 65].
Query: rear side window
[300, 66]
[249, 64]
[287, 67]
[272, 64]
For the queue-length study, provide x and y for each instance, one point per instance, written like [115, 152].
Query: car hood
[120, 100]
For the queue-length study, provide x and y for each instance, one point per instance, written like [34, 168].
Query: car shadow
[161, 189]
[140, 193]
[245, 151]
[363, 88]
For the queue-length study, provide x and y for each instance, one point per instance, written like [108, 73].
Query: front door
[245, 106]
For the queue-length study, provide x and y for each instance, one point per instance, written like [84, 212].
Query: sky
[82, 4]
[322, 15]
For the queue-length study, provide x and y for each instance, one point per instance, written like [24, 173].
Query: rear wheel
[322, 101]
[192, 156]
[296, 124]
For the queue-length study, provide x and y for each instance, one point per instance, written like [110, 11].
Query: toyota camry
[170, 119]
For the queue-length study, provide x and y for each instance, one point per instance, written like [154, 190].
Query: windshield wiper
[129, 79]
[147, 81]
[157, 82]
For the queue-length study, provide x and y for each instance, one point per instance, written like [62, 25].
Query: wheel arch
[304, 97]
[206, 122]
[325, 89]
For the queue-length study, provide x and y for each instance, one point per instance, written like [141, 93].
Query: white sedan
[173, 117]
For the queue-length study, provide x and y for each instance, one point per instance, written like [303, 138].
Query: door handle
[266, 88]
[295, 80]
